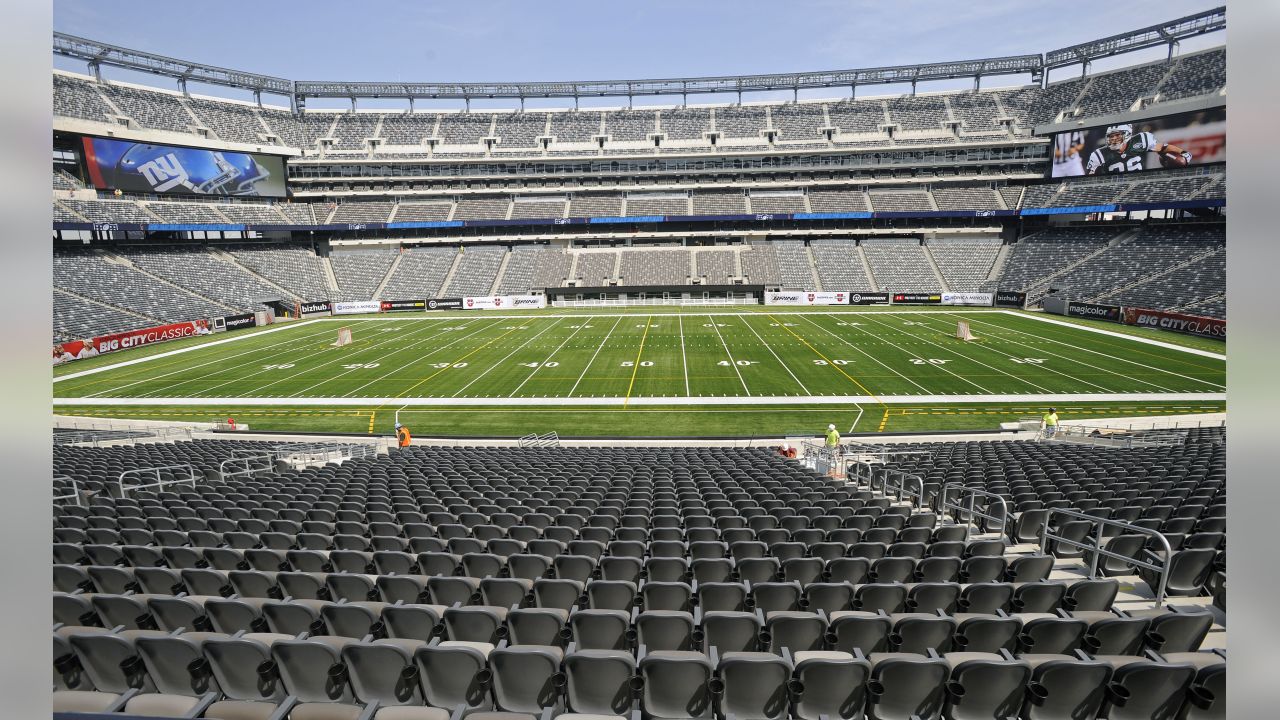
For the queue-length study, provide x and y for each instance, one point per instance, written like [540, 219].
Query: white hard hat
[398, 426]
[831, 427]
[785, 446]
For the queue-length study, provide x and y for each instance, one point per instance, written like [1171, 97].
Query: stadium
[680, 398]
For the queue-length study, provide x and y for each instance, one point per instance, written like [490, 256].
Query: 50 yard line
[636, 367]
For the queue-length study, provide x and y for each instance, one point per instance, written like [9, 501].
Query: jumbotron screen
[1172, 141]
[172, 170]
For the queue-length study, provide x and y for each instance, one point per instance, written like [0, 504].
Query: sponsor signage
[239, 322]
[806, 298]
[1095, 311]
[76, 349]
[868, 298]
[322, 307]
[917, 298]
[967, 298]
[1010, 298]
[356, 308]
[403, 305]
[445, 304]
[505, 302]
[1176, 322]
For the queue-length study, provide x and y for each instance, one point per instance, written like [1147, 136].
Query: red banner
[1176, 322]
[76, 349]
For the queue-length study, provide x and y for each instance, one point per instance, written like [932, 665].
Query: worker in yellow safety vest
[833, 437]
[1050, 423]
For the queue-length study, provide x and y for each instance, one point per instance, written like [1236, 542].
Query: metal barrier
[1098, 551]
[308, 454]
[551, 439]
[971, 511]
[118, 434]
[889, 479]
[246, 465]
[190, 479]
[860, 450]
[74, 497]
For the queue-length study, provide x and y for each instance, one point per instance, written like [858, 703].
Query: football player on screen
[1127, 152]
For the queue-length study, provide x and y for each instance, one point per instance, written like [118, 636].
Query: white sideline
[1112, 333]
[678, 400]
[179, 351]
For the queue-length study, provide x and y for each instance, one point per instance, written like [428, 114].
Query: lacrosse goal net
[344, 337]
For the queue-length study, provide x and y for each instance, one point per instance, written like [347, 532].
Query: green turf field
[760, 371]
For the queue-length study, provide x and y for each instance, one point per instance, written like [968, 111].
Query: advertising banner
[170, 170]
[404, 305]
[917, 298]
[505, 302]
[76, 349]
[239, 322]
[1092, 310]
[445, 304]
[806, 298]
[1176, 322]
[356, 308]
[1011, 298]
[868, 298]
[967, 298]
[319, 307]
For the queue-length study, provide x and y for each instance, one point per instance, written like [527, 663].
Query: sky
[514, 40]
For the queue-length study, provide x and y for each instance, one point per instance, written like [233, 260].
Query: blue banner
[1075, 210]
[425, 224]
[632, 219]
[858, 215]
[179, 227]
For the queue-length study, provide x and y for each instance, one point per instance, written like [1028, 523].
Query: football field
[868, 362]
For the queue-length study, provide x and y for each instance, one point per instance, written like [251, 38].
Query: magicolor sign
[806, 298]
[1090, 310]
[505, 302]
[1176, 322]
[237, 322]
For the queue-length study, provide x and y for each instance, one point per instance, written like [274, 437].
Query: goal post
[344, 337]
[962, 330]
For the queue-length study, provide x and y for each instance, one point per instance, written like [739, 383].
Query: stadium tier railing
[904, 486]
[140, 473]
[1097, 551]
[970, 510]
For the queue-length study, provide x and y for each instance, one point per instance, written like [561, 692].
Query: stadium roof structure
[1168, 33]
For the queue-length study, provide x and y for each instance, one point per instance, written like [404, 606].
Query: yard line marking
[292, 376]
[544, 361]
[683, 359]
[379, 402]
[768, 347]
[380, 358]
[457, 360]
[959, 354]
[864, 352]
[185, 368]
[237, 378]
[179, 351]
[943, 368]
[828, 360]
[593, 356]
[417, 360]
[520, 347]
[1064, 357]
[635, 368]
[1113, 357]
[732, 363]
[856, 419]
[1038, 317]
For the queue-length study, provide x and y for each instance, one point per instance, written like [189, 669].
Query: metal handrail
[75, 490]
[139, 472]
[1099, 552]
[973, 494]
[249, 468]
[890, 480]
